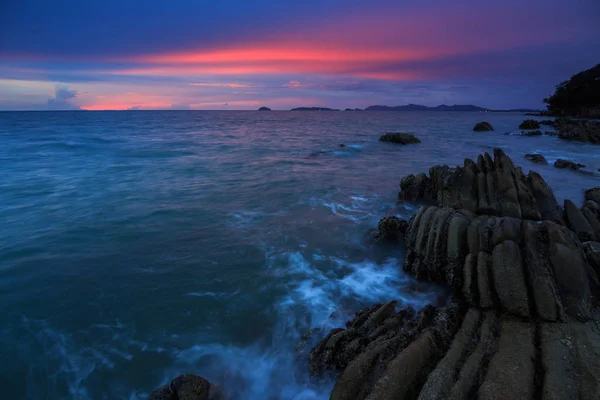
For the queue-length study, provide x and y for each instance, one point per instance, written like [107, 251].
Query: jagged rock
[523, 276]
[489, 186]
[401, 138]
[592, 252]
[391, 229]
[388, 341]
[530, 124]
[483, 126]
[593, 194]
[188, 387]
[567, 164]
[416, 189]
[536, 158]
[577, 222]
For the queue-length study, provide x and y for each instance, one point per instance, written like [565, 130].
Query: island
[417, 107]
[314, 109]
[264, 109]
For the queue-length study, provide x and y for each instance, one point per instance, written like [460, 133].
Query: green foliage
[579, 92]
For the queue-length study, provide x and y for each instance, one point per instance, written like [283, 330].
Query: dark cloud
[62, 97]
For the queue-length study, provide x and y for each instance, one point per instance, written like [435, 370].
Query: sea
[136, 246]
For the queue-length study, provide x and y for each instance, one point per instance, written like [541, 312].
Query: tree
[578, 95]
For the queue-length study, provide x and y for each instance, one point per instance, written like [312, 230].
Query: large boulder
[401, 138]
[567, 164]
[188, 387]
[483, 126]
[529, 124]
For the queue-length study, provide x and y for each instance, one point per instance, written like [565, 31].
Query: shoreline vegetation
[520, 317]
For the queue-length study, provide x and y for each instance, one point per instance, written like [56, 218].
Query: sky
[242, 54]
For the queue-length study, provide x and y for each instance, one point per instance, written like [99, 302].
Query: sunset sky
[233, 54]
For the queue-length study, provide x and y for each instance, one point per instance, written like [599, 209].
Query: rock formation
[401, 138]
[391, 229]
[521, 322]
[567, 164]
[483, 126]
[529, 124]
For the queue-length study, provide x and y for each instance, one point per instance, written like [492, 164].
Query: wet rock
[530, 124]
[578, 222]
[188, 387]
[582, 131]
[401, 138]
[416, 189]
[593, 194]
[549, 122]
[391, 229]
[511, 371]
[537, 132]
[570, 358]
[509, 281]
[536, 158]
[567, 164]
[342, 145]
[483, 126]
[489, 186]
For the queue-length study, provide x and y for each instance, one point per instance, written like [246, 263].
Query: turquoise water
[135, 246]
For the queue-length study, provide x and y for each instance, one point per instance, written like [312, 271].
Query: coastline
[524, 279]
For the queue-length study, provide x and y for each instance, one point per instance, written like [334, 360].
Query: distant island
[314, 109]
[353, 109]
[443, 107]
[418, 107]
[264, 109]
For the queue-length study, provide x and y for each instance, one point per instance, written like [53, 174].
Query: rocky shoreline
[522, 318]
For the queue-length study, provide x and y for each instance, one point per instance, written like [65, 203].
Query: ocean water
[135, 246]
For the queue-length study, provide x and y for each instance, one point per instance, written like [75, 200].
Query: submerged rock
[567, 164]
[483, 126]
[529, 124]
[531, 133]
[391, 229]
[188, 387]
[536, 158]
[401, 138]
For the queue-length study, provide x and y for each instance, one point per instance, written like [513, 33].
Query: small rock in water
[401, 138]
[536, 158]
[483, 126]
[188, 387]
[529, 124]
[342, 145]
[567, 164]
